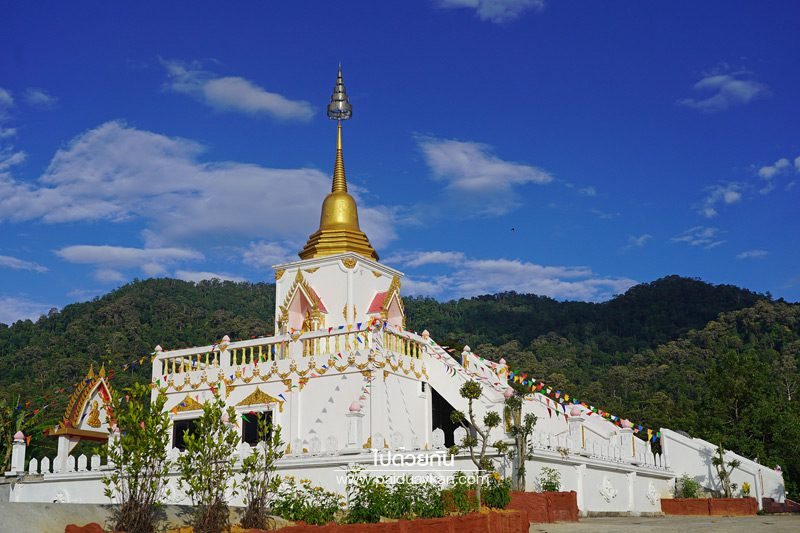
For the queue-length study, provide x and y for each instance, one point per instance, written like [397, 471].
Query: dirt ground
[733, 524]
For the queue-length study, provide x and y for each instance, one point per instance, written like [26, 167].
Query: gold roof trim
[188, 404]
[259, 397]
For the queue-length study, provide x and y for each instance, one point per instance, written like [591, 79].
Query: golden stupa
[338, 224]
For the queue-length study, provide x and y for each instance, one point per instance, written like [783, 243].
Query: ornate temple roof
[80, 418]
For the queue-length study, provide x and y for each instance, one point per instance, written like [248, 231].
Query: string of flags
[559, 399]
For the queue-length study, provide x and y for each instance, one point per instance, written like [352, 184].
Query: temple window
[250, 423]
[180, 428]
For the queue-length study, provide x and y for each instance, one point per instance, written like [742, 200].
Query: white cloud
[109, 259]
[108, 275]
[417, 259]
[13, 308]
[471, 277]
[701, 236]
[587, 191]
[781, 167]
[233, 93]
[265, 254]
[8, 159]
[116, 173]
[725, 90]
[496, 11]
[188, 275]
[417, 287]
[473, 172]
[7, 133]
[638, 241]
[19, 264]
[604, 215]
[6, 101]
[753, 254]
[729, 193]
[39, 98]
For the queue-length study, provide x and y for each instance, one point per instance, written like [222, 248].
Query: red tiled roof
[377, 303]
[317, 299]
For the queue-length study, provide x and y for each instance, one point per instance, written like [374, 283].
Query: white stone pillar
[113, 445]
[378, 407]
[66, 443]
[294, 398]
[580, 473]
[627, 444]
[632, 492]
[155, 373]
[576, 433]
[17, 455]
[354, 432]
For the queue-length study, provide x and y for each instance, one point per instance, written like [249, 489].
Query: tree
[207, 466]
[137, 454]
[521, 429]
[724, 471]
[12, 419]
[259, 481]
[471, 391]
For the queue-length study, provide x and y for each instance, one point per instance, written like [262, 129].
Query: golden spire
[338, 225]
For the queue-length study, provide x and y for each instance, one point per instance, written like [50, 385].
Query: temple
[344, 378]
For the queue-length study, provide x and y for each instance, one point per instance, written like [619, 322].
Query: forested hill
[650, 355]
[131, 320]
[645, 316]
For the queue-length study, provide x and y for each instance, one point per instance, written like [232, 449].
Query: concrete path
[732, 524]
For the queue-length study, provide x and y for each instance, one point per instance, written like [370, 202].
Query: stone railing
[596, 449]
[324, 342]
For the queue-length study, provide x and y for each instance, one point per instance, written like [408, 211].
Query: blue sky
[567, 148]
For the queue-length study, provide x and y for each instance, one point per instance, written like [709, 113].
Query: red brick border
[492, 522]
[546, 507]
[710, 506]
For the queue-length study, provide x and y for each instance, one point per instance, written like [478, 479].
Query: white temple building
[344, 379]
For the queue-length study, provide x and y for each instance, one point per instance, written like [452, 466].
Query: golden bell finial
[338, 225]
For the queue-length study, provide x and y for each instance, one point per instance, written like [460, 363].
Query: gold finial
[339, 178]
[338, 225]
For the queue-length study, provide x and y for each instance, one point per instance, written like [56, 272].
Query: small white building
[345, 380]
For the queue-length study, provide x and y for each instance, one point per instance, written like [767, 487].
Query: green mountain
[715, 360]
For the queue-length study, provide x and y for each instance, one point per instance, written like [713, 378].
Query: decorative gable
[259, 397]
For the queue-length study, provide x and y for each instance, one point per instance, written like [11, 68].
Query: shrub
[303, 501]
[477, 436]
[687, 487]
[521, 429]
[456, 500]
[370, 498]
[137, 456]
[724, 471]
[207, 466]
[745, 489]
[549, 480]
[497, 492]
[259, 482]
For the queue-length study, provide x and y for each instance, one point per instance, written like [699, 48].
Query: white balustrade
[82, 460]
[33, 467]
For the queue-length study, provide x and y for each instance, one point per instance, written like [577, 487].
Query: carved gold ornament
[94, 415]
[188, 404]
[259, 397]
